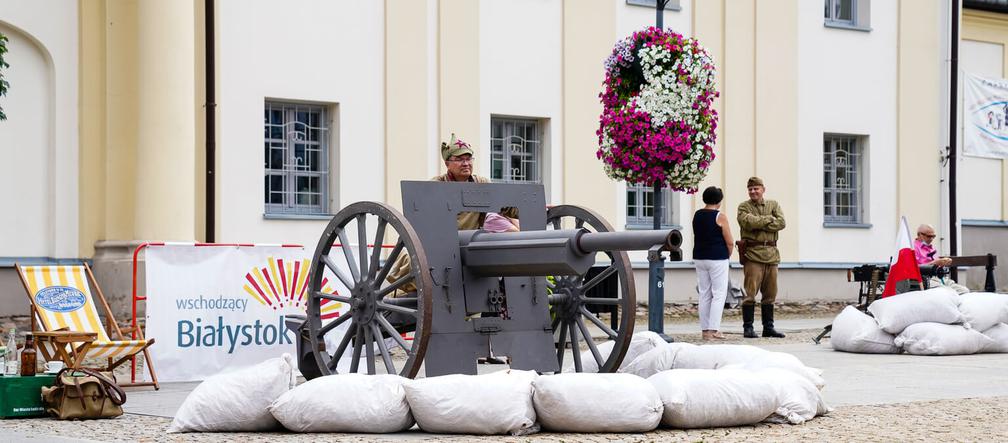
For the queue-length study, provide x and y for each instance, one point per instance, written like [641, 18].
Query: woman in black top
[712, 246]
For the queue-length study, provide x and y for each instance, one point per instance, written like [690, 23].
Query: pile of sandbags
[669, 384]
[936, 321]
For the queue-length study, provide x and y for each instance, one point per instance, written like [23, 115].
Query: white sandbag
[596, 403]
[716, 356]
[855, 331]
[346, 403]
[787, 362]
[640, 342]
[999, 338]
[707, 398]
[656, 360]
[237, 400]
[941, 339]
[798, 400]
[936, 305]
[984, 310]
[496, 403]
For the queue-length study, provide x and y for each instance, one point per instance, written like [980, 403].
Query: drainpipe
[953, 133]
[210, 108]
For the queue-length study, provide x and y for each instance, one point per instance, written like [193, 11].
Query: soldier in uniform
[760, 221]
[458, 160]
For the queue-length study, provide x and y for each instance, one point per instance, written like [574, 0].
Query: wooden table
[69, 346]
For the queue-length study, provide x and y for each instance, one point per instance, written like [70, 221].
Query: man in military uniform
[760, 221]
[458, 159]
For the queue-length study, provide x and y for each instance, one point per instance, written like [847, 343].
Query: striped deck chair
[71, 330]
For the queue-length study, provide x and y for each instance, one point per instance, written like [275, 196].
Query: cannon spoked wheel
[379, 310]
[573, 308]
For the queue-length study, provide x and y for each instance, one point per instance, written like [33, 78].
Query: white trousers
[712, 282]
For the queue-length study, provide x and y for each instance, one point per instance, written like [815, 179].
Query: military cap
[754, 181]
[455, 147]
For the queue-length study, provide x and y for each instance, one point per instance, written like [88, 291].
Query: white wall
[847, 84]
[39, 140]
[979, 182]
[521, 54]
[307, 50]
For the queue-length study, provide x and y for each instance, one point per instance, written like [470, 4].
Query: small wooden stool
[60, 341]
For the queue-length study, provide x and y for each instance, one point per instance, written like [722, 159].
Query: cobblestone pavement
[977, 419]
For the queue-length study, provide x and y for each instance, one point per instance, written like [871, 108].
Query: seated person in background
[927, 255]
[500, 223]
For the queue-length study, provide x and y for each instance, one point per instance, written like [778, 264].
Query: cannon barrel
[552, 252]
[590, 242]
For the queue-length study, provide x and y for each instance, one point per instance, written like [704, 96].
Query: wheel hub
[364, 305]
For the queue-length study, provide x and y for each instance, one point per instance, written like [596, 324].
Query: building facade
[842, 109]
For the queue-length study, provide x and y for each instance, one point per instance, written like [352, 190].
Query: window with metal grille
[296, 159]
[516, 150]
[841, 11]
[670, 5]
[843, 184]
[640, 207]
[847, 14]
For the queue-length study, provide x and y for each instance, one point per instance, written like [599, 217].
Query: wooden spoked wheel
[575, 303]
[360, 248]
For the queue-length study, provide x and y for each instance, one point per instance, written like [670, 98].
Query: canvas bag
[83, 394]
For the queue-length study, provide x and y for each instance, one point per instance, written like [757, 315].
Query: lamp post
[656, 260]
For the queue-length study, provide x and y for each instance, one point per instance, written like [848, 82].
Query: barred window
[640, 207]
[840, 11]
[843, 184]
[847, 14]
[296, 159]
[516, 150]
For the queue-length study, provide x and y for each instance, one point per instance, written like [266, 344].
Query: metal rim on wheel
[372, 300]
[569, 301]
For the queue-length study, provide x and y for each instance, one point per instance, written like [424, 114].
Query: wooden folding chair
[71, 330]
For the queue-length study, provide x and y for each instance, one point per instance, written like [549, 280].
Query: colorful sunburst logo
[284, 283]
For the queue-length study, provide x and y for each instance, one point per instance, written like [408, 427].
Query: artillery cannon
[461, 293]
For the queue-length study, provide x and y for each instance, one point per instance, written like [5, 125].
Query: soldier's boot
[748, 315]
[766, 313]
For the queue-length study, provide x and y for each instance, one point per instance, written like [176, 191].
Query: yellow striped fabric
[84, 318]
[116, 349]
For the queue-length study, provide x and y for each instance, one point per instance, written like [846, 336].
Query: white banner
[985, 117]
[212, 308]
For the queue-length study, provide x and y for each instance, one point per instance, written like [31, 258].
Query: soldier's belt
[760, 243]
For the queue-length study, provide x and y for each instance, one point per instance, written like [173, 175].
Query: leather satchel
[741, 246]
[83, 394]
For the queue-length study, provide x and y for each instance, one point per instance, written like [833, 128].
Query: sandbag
[798, 400]
[707, 398]
[941, 339]
[999, 338]
[984, 310]
[496, 403]
[640, 342]
[237, 400]
[936, 305]
[716, 356]
[855, 331]
[345, 403]
[787, 362]
[596, 403]
[656, 360]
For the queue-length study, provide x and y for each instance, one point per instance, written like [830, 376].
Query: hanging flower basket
[658, 121]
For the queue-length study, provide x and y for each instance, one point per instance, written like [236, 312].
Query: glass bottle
[11, 362]
[28, 361]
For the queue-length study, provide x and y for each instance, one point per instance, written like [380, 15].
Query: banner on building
[214, 308]
[985, 117]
